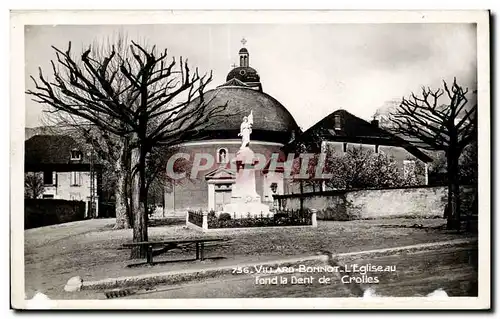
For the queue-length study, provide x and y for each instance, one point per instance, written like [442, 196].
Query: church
[274, 131]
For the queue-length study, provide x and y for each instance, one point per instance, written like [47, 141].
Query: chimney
[375, 123]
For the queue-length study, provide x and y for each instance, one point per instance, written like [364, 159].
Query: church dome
[244, 74]
[272, 121]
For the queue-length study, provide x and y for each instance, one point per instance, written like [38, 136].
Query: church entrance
[219, 183]
[222, 198]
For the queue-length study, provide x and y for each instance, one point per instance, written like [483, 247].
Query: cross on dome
[243, 41]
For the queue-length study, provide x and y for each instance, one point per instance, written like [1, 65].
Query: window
[408, 169]
[222, 155]
[76, 155]
[337, 124]
[344, 147]
[75, 179]
[47, 196]
[48, 178]
[376, 149]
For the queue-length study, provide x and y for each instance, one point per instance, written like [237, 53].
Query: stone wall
[424, 202]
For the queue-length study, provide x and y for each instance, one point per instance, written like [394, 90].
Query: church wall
[193, 193]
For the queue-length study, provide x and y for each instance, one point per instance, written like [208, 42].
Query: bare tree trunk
[122, 214]
[137, 204]
[453, 221]
[122, 190]
[143, 191]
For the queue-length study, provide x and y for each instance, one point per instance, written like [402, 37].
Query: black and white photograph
[250, 160]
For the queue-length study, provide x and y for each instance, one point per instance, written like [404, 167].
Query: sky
[312, 69]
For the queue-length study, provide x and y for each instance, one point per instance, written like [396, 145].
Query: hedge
[45, 212]
[282, 218]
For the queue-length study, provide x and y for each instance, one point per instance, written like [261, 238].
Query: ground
[92, 249]
[415, 275]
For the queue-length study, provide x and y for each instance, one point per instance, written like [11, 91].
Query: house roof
[51, 149]
[352, 130]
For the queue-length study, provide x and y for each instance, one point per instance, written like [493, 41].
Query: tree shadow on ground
[171, 261]
[465, 229]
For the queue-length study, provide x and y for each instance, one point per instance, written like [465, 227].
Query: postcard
[250, 160]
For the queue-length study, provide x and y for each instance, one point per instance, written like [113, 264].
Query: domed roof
[243, 50]
[244, 74]
[268, 114]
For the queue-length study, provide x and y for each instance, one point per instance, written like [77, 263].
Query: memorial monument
[244, 197]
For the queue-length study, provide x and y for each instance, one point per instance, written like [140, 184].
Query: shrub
[279, 219]
[334, 214]
[211, 213]
[280, 215]
[224, 216]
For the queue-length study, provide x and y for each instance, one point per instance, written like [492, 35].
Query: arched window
[222, 155]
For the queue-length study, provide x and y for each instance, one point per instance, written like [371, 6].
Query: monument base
[245, 201]
[241, 209]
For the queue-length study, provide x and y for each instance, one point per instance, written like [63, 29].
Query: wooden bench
[172, 244]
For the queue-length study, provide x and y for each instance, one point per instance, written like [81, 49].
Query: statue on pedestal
[246, 130]
[244, 197]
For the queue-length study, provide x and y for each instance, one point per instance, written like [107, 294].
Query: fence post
[313, 218]
[187, 218]
[205, 220]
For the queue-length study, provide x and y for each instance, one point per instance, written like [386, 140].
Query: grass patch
[167, 221]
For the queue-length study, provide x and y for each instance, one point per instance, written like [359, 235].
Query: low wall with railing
[209, 221]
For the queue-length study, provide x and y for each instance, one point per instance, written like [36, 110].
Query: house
[342, 131]
[65, 169]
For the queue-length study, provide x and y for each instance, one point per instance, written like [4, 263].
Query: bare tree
[112, 150]
[167, 105]
[446, 127]
[33, 185]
